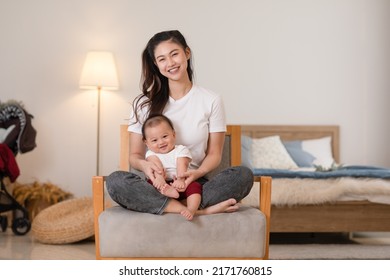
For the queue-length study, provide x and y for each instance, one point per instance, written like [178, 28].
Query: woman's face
[172, 60]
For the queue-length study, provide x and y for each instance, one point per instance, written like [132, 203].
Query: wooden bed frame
[351, 216]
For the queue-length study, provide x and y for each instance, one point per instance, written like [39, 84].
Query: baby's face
[160, 138]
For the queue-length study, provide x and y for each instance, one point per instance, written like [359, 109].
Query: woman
[199, 119]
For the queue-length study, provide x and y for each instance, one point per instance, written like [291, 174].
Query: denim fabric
[234, 182]
[134, 193]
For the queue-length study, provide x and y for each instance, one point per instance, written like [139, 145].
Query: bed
[324, 204]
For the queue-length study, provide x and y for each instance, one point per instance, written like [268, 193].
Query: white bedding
[288, 192]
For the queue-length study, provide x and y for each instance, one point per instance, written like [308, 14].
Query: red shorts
[192, 188]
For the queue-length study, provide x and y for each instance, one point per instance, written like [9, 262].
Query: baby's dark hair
[153, 120]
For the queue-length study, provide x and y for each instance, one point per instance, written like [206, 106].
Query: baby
[159, 136]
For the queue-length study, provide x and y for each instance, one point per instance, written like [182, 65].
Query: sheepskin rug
[311, 191]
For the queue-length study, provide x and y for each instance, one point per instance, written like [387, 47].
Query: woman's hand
[191, 176]
[152, 170]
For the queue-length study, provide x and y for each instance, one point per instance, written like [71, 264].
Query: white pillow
[4, 132]
[321, 149]
[269, 152]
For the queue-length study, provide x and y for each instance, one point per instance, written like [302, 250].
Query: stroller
[16, 135]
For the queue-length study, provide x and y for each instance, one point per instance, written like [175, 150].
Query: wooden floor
[24, 247]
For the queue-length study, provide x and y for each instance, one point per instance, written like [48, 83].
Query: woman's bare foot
[169, 191]
[186, 213]
[227, 206]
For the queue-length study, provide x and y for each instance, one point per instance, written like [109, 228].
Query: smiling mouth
[173, 69]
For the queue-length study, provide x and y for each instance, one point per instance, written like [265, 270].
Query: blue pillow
[301, 157]
[246, 151]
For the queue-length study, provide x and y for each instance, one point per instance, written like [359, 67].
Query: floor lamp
[99, 73]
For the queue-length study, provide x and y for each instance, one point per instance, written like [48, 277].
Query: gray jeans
[133, 192]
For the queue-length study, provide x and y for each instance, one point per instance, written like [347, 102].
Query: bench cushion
[125, 233]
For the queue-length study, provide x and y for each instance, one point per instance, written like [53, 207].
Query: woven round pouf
[68, 221]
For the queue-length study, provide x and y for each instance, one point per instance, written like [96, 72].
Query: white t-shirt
[194, 116]
[169, 160]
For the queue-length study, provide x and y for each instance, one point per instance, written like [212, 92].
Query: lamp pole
[98, 133]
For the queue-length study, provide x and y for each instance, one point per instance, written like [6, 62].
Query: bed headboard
[296, 132]
[286, 133]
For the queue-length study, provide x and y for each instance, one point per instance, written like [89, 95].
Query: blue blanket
[355, 171]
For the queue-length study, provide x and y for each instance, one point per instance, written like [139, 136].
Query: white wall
[275, 62]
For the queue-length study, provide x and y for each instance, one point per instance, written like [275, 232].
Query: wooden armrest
[264, 194]
[265, 204]
[98, 206]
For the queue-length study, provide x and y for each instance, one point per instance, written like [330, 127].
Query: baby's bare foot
[186, 213]
[169, 191]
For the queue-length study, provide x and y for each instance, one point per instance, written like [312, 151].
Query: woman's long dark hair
[154, 85]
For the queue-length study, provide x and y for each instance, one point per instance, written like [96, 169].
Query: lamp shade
[99, 71]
